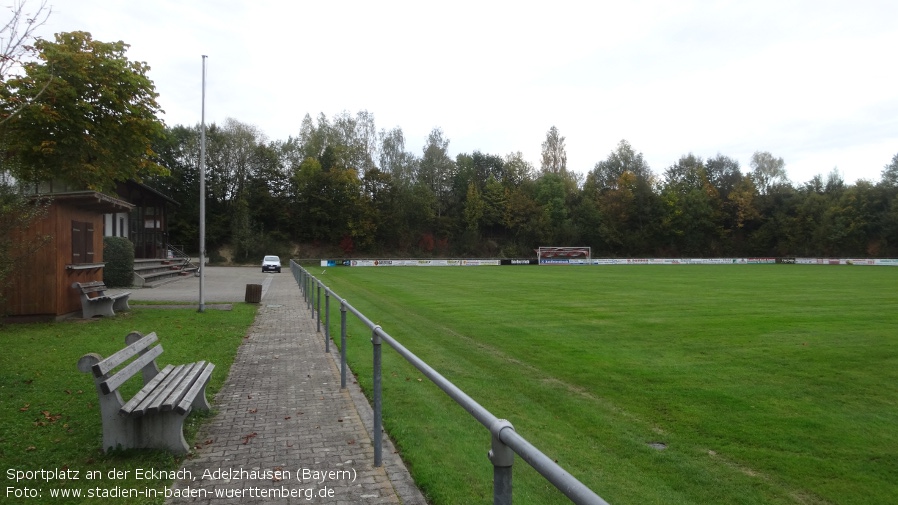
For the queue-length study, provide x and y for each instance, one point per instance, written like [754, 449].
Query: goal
[562, 254]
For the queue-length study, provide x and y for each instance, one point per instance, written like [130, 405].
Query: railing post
[309, 294]
[318, 297]
[342, 345]
[378, 400]
[502, 458]
[327, 321]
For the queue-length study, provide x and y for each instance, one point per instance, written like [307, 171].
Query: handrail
[506, 442]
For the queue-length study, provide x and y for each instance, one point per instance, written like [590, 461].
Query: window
[82, 242]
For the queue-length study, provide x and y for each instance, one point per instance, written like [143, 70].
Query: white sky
[814, 82]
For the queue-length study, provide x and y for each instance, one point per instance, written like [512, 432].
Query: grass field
[766, 383]
[49, 418]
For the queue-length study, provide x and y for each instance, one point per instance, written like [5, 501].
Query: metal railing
[506, 442]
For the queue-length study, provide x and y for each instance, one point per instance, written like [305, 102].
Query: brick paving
[285, 433]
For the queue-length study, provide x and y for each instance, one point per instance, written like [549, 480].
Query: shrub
[118, 253]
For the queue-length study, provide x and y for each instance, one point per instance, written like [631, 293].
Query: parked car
[271, 264]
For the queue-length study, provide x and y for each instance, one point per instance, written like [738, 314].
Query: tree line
[78, 110]
[344, 187]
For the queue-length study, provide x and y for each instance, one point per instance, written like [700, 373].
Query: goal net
[559, 254]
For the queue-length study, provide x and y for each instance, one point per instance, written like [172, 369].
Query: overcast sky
[814, 82]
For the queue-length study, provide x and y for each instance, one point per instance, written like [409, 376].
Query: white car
[271, 264]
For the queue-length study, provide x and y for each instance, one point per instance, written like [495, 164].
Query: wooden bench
[95, 301]
[154, 417]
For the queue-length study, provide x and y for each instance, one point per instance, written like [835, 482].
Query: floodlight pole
[202, 306]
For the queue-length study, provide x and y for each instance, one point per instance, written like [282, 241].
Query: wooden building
[42, 287]
[146, 225]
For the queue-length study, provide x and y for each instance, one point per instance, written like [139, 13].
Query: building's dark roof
[89, 200]
[144, 187]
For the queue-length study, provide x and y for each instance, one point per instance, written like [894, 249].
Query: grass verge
[49, 418]
[765, 384]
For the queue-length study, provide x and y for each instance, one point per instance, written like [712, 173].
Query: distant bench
[95, 301]
[154, 417]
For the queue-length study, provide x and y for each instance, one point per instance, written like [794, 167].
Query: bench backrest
[90, 287]
[138, 349]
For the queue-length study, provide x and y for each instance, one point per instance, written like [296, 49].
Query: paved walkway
[285, 432]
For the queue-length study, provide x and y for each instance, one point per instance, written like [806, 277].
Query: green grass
[49, 418]
[768, 384]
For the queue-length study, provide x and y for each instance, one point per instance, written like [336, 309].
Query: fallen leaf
[31, 448]
[253, 411]
[351, 442]
[23, 409]
[286, 418]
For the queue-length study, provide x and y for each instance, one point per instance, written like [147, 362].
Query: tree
[474, 207]
[231, 158]
[15, 45]
[487, 166]
[524, 217]
[312, 139]
[554, 155]
[606, 174]
[17, 212]
[494, 203]
[890, 173]
[517, 170]
[95, 123]
[358, 137]
[179, 152]
[740, 204]
[622, 189]
[394, 159]
[436, 170]
[693, 208]
[767, 171]
[551, 194]
[724, 174]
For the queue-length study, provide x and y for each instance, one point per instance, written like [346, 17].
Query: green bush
[118, 253]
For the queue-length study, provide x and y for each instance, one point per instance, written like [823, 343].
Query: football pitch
[650, 384]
